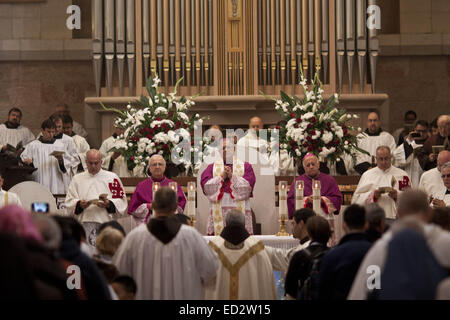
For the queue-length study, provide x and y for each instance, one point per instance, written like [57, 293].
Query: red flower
[292, 115]
[299, 119]
[171, 114]
[292, 143]
[132, 158]
[313, 119]
[149, 136]
[305, 144]
[310, 126]
[158, 119]
[163, 126]
[308, 138]
[310, 148]
[312, 132]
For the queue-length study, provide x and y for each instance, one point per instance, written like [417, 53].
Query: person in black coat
[93, 282]
[300, 265]
[340, 265]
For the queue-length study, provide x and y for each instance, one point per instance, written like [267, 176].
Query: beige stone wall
[424, 16]
[36, 87]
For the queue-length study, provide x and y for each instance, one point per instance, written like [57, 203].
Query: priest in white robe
[370, 140]
[51, 169]
[405, 154]
[12, 133]
[228, 184]
[111, 160]
[167, 259]
[63, 109]
[95, 196]
[7, 198]
[431, 181]
[252, 138]
[382, 184]
[81, 145]
[245, 271]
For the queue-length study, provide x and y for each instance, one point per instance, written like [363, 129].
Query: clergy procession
[224, 150]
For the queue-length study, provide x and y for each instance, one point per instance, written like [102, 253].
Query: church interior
[234, 59]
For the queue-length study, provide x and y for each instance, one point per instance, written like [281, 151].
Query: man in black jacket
[340, 265]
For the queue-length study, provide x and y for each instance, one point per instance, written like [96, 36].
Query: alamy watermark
[74, 20]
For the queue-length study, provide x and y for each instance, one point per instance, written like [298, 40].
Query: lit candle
[316, 197]
[299, 186]
[156, 187]
[173, 185]
[190, 210]
[282, 191]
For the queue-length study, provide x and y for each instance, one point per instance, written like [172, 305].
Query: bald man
[141, 201]
[427, 158]
[431, 181]
[252, 139]
[382, 184]
[95, 196]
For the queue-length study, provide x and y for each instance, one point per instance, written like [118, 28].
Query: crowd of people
[403, 197]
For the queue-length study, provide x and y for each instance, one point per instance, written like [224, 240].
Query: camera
[42, 207]
[415, 135]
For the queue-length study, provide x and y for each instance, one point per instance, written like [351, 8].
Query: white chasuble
[244, 273]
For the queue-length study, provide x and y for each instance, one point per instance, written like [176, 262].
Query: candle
[316, 197]
[190, 210]
[299, 187]
[282, 191]
[155, 187]
[173, 186]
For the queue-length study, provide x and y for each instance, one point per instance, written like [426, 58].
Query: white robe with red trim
[375, 178]
[85, 186]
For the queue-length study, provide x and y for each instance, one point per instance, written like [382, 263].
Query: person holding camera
[405, 156]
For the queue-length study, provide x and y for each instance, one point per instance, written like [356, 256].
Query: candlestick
[316, 197]
[299, 194]
[190, 209]
[282, 205]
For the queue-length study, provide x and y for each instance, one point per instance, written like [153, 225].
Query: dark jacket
[95, 284]
[299, 268]
[340, 265]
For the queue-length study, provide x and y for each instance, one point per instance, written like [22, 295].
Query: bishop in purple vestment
[140, 204]
[331, 196]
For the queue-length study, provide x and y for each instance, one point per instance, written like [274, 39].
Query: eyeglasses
[445, 176]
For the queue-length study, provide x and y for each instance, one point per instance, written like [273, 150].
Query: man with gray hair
[375, 218]
[431, 181]
[141, 201]
[382, 184]
[413, 211]
[245, 271]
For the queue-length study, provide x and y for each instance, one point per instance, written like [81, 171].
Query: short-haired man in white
[63, 109]
[12, 132]
[370, 140]
[382, 184]
[95, 196]
[245, 271]
[431, 181]
[413, 209]
[167, 259]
